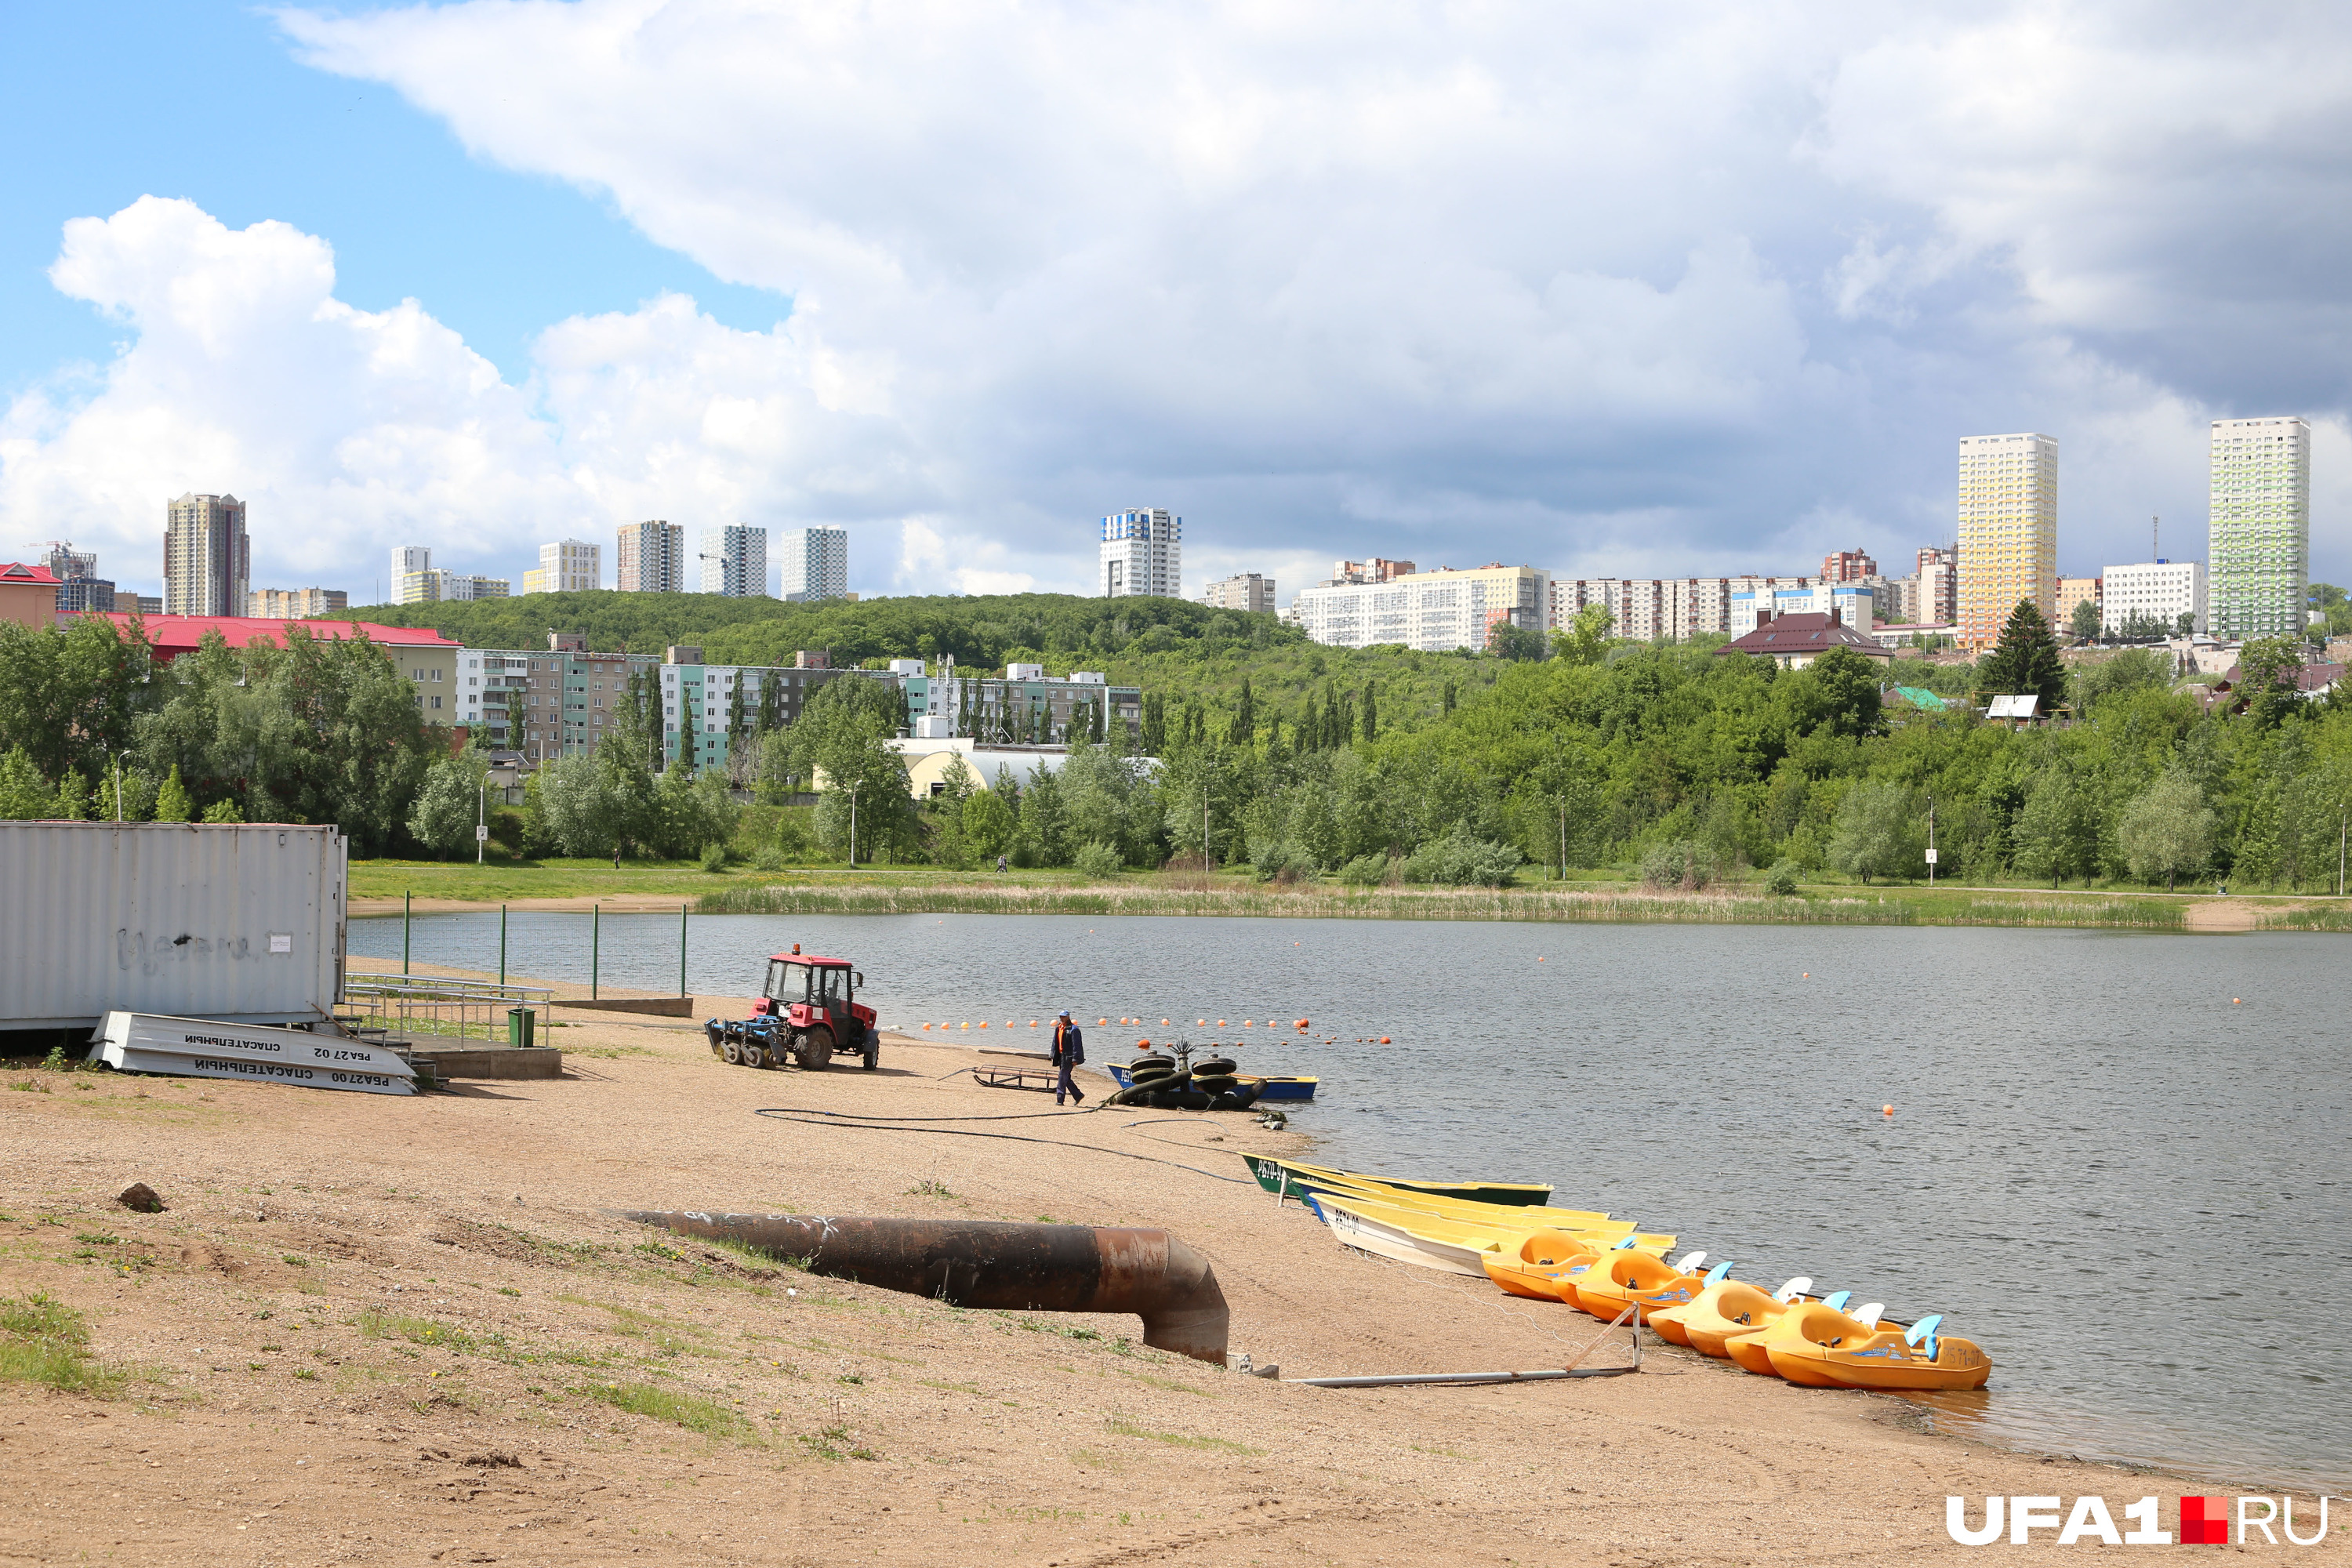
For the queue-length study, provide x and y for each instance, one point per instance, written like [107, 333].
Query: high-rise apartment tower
[568, 566]
[811, 564]
[208, 560]
[2009, 531]
[735, 562]
[1142, 553]
[2258, 542]
[651, 558]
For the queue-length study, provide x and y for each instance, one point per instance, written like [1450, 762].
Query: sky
[1607, 290]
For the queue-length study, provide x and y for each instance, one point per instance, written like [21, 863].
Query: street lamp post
[1931, 841]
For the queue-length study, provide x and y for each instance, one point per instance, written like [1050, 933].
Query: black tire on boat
[1152, 1077]
[1226, 1102]
[1215, 1066]
[1162, 1098]
[1215, 1085]
[1140, 1063]
[1192, 1099]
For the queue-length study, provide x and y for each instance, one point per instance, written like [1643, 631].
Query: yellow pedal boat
[1540, 1265]
[1752, 1349]
[1642, 1280]
[1833, 1351]
[1725, 1308]
[1668, 1321]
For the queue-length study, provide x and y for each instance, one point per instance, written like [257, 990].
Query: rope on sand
[858, 1121]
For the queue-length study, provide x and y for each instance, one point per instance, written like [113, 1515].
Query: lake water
[2116, 1161]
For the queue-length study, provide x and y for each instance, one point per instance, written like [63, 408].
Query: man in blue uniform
[1069, 1050]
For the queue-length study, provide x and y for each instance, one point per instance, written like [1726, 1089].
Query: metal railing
[426, 1005]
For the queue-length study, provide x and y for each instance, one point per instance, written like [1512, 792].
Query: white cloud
[346, 431]
[1596, 287]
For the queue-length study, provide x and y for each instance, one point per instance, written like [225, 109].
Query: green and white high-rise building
[2258, 548]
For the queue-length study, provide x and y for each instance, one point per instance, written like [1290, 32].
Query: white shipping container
[240, 922]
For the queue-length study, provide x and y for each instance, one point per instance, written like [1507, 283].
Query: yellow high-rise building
[2009, 531]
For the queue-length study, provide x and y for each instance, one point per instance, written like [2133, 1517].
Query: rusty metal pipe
[981, 1263]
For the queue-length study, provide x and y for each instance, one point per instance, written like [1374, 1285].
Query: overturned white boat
[205, 1047]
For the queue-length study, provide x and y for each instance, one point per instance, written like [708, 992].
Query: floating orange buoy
[1384, 1039]
[926, 1026]
[1889, 1110]
[1143, 1044]
[1807, 975]
[1033, 1023]
[2233, 1001]
[1220, 1023]
[1202, 1021]
[1163, 1023]
[1245, 1022]
[967, 1023]
[984, 1023]
[1102, 1020]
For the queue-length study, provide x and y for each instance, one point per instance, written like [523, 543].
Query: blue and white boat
[1276, 1088]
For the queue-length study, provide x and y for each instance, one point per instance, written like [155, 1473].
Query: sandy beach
[376, 1330]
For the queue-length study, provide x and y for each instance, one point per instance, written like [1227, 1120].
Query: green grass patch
[1126, 1429]
[44, 1341]
[834, 1444]
[1171, 1384]
[691, 1411]
[377, 1324]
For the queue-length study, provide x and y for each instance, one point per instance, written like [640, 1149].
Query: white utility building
[2158, 590]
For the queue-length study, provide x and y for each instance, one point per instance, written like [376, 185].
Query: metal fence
[408, 1005]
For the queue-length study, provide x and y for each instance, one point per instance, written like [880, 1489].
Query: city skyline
[488, 283]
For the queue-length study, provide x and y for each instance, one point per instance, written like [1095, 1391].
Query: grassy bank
[1602, 896]
[1172, 897]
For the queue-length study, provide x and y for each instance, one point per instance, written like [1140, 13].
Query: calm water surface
[2128, 1186]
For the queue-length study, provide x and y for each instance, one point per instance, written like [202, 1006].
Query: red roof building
[28, 594]
[1794, 641]
[175, 634]
[425, 658]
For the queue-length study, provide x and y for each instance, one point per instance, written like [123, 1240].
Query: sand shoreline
[417, 1316]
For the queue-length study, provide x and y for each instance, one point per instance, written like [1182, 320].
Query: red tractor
[806, 1011]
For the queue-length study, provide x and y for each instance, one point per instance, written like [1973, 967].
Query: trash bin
[518, 1027]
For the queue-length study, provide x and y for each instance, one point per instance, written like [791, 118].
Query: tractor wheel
[816, 1049]
[873, 1052]
[756, 1055]
[733, 1051]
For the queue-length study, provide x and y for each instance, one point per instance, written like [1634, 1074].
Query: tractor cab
[813, 1000]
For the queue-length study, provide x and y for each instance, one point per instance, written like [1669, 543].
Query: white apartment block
[1672, 609]
[2009, 531]
[295, 604]
[1432, 612]
[487, 682]
[813, 563]
[735, 562]
[435, 586]
[1248, 591]
[650, 558]
[568, 566]
[1142, 553]
[1854, 602]
[2258, 546]
[2158, 590]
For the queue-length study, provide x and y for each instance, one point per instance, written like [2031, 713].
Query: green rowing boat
[1288, 1176]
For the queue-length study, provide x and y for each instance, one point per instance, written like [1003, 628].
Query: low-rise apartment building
[2160, 591]
[1431, 612]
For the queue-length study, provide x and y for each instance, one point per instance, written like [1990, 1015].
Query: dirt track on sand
[396, 1330]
